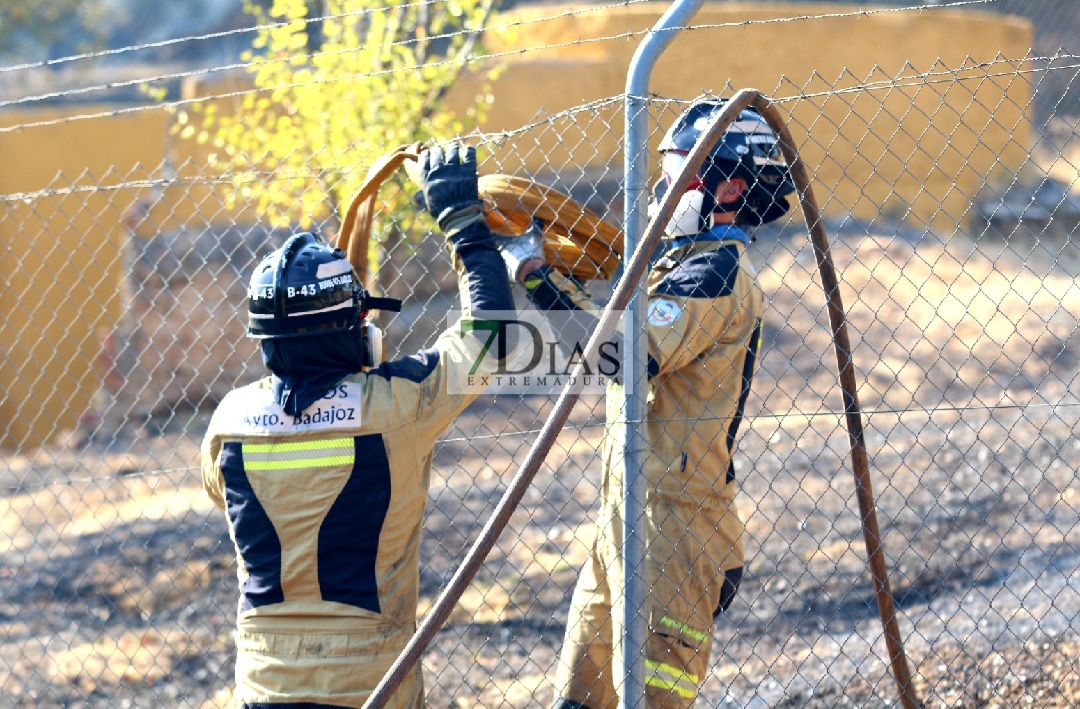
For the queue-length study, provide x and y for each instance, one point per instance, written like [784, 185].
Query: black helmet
[307, 287]
[748, 149]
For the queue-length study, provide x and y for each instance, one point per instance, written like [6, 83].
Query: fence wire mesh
[952, 207]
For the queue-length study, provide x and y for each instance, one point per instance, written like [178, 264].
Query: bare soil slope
[117, 582]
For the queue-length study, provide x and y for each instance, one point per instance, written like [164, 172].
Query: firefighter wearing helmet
[322, 468]
[703, 332]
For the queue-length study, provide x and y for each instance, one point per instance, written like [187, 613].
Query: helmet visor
[764, 149]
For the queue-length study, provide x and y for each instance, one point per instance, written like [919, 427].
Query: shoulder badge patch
[663, 312]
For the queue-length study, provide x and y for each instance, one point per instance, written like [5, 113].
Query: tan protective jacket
[703, 329]
[325, 510]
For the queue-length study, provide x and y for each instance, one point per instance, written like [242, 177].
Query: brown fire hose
[624, 289]
[576, 241]
[860, 461]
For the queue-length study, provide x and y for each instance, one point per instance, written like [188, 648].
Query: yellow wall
[930, 145]
[927, 147]
[62, 266]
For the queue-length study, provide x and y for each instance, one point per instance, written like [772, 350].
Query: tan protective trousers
[691, 546]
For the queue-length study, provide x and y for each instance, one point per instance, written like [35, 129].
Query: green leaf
[300, 144]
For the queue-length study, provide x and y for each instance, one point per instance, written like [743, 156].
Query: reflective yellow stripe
[298, 446]
[302, 454]
[678, 674]
[669, 686]
[682, 683]
[327, 462]
[684, 629]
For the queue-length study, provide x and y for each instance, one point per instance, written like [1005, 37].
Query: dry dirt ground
[117, 580]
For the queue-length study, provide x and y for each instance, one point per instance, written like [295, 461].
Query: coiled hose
[576, 241]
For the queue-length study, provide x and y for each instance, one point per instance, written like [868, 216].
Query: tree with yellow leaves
[336, 86]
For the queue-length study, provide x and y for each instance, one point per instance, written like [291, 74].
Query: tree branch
[461, 60]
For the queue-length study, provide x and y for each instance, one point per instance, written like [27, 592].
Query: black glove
[449, 183]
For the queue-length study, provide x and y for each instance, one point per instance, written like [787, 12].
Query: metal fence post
[634, 406]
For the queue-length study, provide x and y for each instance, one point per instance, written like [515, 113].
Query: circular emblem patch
[663, 312]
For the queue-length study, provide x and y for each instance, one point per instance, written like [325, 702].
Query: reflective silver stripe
[339, 306]
[334, 268]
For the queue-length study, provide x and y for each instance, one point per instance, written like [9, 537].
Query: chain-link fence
[952, 213]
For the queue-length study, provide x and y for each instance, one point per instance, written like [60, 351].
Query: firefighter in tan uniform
[704, 328]
[323, 467]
